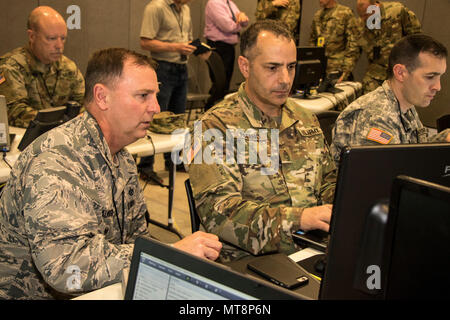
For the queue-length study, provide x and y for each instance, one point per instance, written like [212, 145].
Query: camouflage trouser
[369, 84]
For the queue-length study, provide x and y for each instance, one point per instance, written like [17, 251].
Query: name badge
[310, 131]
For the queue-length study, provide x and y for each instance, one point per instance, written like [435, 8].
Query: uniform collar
[99, 140]
[259, 119]
[37, 66]
[408, 116]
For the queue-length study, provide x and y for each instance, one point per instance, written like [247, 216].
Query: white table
[328, 101]
[12, 155]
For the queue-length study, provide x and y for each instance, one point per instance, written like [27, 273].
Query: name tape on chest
[308, 132]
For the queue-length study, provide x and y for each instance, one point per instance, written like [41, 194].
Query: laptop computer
[161, 272]
[5, 142]
[316, 239]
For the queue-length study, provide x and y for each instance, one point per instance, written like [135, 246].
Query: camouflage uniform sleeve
[352, 50]
[255, 227]
[292, 15]
[264, 9]
[313, 35]
[410, 22]
[62, 231]
[441, 136]
[20, 113]
[78, 88]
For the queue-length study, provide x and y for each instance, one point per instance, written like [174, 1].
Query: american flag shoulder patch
[379, 136]
[193, 152]
[2, 78]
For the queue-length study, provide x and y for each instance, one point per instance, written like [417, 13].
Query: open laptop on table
[161, 272]
[5, 142]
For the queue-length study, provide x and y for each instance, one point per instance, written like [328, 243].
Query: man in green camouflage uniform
[334, 26]
[72, 206]
[278, 175]
[396, 22]
[39, 76]
[387, 115]
[286, 11]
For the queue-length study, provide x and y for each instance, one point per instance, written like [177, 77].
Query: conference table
[325, 101]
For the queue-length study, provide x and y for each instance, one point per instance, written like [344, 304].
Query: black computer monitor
[45, 120]
[417, 251]
[365, 177]
[311, 67]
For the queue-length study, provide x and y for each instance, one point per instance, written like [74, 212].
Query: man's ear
[101, 96]
[400, 72]
[244, 66]
[31, 35]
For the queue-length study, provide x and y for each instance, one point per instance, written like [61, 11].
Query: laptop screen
[4, 127]
[158, 280]
[161, 272]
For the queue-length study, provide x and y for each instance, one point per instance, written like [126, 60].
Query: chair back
[327, 119]
[195, 219]
[443, 123]
[217, 75]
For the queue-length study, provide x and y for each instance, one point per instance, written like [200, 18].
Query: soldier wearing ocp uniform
[29, 85]
[255, 211]
[397, 21]
[336, 29]
[39, 76]
[289, 14]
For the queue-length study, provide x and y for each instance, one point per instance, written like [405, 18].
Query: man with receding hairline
[39, 76]
[73, 206]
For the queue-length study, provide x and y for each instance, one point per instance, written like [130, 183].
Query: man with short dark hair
[387, 115]
[73, 206]
[268, 171]
[39, 76]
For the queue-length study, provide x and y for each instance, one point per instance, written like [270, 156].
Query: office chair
[327, 120]
[217, 75]
[195, 219]
[443, 123]
[194, 98]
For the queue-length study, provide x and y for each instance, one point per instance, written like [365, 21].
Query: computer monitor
[45, 120]
[365, 177]
[417, 260]
[311, 67]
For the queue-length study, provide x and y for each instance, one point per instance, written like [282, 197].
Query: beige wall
[116, 23]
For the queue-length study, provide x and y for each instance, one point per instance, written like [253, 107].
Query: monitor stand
[306, 95]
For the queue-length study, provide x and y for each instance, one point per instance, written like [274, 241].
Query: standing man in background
[39, 76]
[286, 11]
[222, 25]
[334, 26]
[377, 41]
[166, 32]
